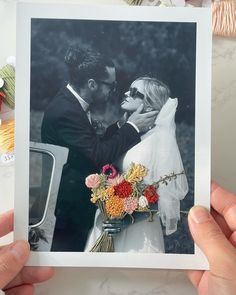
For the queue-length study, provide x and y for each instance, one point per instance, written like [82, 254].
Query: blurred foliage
[161, 49]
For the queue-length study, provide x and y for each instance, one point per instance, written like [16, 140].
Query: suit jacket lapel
[70, 97]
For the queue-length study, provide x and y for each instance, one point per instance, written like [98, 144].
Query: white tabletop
[122, 281]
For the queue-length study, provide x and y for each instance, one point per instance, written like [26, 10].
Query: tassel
[224, 18]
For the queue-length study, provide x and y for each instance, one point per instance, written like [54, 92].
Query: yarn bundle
[7, 76]
[7, 135]
[7, 104]
[224, 18]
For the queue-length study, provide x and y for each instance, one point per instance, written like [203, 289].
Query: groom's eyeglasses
[134, 93]
[112, 85]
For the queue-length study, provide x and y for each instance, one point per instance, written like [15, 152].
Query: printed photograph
[112, 135]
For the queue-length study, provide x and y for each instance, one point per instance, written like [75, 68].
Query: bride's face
[134, 97]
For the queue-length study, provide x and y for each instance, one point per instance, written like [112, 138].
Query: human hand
[215, 234]
[15, 279]
[112, 226]
[145, 121]
[123, 120]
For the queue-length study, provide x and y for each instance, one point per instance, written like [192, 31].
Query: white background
[139, 282]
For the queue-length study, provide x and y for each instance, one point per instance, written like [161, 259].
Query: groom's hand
[144, 122]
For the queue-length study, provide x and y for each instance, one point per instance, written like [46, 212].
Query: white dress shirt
[82, 102]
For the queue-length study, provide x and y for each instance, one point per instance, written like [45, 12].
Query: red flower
[151, 194]
[123, 189]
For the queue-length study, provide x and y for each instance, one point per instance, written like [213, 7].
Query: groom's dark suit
[66, 124]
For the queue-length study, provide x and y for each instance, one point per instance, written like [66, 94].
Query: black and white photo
[107, 91]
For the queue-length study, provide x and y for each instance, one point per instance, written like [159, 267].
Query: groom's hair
[156, 93]
[84, 64]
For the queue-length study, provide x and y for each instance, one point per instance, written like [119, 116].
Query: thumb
[12, 259]
[139, 109]
[209, 237]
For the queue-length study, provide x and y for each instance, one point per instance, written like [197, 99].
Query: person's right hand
[145, 121]
[215, 234]
[15, 278]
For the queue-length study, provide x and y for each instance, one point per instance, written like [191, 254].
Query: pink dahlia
[131, 204]
[93, 181]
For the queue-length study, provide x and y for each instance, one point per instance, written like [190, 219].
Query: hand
[15, 279]
[123, 120]
[215, 234]
[112, 226]
[145, 121]
[115, 226]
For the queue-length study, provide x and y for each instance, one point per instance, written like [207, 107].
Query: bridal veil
[159, 152]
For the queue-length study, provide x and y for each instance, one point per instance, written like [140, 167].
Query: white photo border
[200, 16]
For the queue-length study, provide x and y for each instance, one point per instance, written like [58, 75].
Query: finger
[32, 275]
[209, 237]
[6, 223]
[232, 239]
[224, 202]
[222, 223]
[150, 114]
[139, 109]
[195, 277]
[12, 260]
[21, 290]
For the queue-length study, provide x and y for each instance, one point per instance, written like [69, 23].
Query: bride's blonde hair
[156, 93]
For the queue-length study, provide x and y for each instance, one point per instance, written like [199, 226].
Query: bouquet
[118, 195]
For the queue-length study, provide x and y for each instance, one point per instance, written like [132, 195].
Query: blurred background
[163, 50]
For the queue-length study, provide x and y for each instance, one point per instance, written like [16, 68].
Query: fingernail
[199, 214]
[20, 250]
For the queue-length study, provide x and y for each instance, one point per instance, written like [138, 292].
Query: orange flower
[115, 206]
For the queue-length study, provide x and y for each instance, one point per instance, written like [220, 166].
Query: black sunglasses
[112, 85]
[134, 93]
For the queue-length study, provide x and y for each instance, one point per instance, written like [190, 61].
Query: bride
[159, 152]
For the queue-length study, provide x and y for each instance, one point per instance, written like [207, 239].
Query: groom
[67, 122]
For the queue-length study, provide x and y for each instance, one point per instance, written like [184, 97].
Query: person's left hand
[15, 278]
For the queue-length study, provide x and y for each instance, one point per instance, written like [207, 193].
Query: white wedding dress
[159, 152]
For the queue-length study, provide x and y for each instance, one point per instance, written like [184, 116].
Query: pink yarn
[224, 18]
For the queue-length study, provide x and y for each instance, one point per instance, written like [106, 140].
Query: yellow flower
[136, 173]
[102, 194]
[110, 191]
[115, 206]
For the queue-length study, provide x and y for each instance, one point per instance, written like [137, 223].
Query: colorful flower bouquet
[118, 195]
